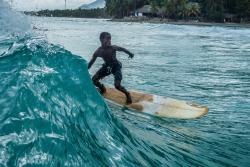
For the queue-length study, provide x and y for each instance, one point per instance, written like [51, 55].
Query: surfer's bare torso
[108, 54]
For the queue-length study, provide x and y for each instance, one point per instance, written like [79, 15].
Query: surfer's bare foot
[103, 90]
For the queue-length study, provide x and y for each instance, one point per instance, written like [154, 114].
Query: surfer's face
[106, 41]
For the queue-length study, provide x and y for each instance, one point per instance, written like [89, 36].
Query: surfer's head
[105, 38]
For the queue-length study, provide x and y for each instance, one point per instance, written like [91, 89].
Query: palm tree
[175, 8]
[193, 9]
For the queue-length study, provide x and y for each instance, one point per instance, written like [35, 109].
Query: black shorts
[105, 70]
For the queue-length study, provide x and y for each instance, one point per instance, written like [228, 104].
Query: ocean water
[51, 114]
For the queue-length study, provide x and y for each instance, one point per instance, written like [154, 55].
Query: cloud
[47, 4]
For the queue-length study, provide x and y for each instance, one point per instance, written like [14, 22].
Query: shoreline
[180, 22]
[165, 21]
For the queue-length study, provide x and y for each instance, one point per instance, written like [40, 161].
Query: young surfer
[111, 65]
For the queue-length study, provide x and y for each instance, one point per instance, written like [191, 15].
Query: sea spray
[14, 26]
[12, 22]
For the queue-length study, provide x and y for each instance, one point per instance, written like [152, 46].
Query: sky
[27, 5]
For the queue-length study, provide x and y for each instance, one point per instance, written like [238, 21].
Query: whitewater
[52, 115]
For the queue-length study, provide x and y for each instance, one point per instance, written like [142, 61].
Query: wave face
[51, 114]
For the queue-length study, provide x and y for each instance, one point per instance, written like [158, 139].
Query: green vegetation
[203, 10]
[121, 8]
[86, 13]
[207, 10]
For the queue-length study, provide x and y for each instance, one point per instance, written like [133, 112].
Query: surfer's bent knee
[95, 79]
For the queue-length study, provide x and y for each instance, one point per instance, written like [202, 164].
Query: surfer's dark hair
[104, 34]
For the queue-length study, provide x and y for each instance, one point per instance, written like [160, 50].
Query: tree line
[78, 13]
[204, 10]
[209, 10]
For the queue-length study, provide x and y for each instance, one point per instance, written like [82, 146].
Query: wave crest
[12, 22]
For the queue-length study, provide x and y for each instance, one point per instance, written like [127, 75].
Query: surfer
[111, 65]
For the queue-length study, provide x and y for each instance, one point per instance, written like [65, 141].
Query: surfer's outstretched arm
[93, 59]
[118, 48]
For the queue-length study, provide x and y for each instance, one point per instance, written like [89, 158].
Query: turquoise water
[51, 114]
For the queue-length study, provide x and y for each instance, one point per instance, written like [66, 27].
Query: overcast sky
[47, 4]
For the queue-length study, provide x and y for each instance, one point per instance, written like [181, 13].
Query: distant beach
[178, 22]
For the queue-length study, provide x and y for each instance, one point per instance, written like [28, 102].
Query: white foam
[150, 108]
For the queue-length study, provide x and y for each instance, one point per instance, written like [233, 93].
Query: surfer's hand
[131, 55]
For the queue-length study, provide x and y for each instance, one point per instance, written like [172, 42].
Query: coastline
[163, 21]
[179, 22]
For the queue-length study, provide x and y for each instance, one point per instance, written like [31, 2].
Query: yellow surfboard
[157, 105]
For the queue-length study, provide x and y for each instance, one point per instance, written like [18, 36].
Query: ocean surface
[52, 115]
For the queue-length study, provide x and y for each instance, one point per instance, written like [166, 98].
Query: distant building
[146, 10]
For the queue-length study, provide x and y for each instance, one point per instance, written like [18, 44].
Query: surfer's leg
[122, 89]
[118, 78]
[100, 74]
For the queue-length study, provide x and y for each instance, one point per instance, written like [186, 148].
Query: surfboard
[157, 105]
